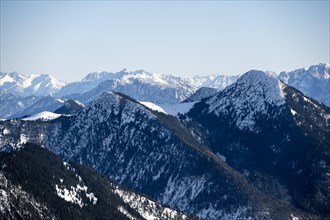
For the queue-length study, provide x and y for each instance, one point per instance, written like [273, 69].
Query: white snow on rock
[125, 212]
[6, 79]
[293, 112]
[45, 116]
[6, 131]
[23, 140]
[214, 81]
[313, 81]
[253, 94]
[42, 84]
[293, 217]
[74, 194]
[181, 191]
[146, 208]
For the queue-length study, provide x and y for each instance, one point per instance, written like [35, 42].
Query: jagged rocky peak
[18, 84]
[103, 75]
[10, 77]
[214, 81]
[321, 71]
[94, 76]
[152, 78]
[313, 81]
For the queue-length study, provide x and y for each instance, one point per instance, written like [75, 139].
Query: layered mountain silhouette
[257, 149]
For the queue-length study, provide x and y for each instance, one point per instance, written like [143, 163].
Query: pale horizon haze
[69, 39]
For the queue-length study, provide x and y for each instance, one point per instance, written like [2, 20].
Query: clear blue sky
[71, 39]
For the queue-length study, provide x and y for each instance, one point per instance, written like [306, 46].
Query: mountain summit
[273, 134]
[252, 95]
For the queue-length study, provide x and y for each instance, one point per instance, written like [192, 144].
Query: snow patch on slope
[75, 193]
[45, 116]
[181, 191]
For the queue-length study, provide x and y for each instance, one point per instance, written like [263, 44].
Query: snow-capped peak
[253, 94]
[313, 81]
[95, 76]
[271, 86]
[104, 75]
[320, 71]
[144, 76]
[18, 84]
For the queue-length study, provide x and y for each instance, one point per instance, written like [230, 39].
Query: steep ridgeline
[152, 153]
[274, 135]
[314, 81]
[36, 184]
[38, 85]
[139, 84]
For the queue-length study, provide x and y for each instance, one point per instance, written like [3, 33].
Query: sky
[69, 39]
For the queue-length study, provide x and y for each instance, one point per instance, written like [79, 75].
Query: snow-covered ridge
[214, 81]
[139, 84]
[313, 81]
[45, 116]
[18, 84]
[252, 94]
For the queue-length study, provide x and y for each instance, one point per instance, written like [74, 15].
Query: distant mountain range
[313, 81]
[37, 85]
[258, 149]
[141, 85]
